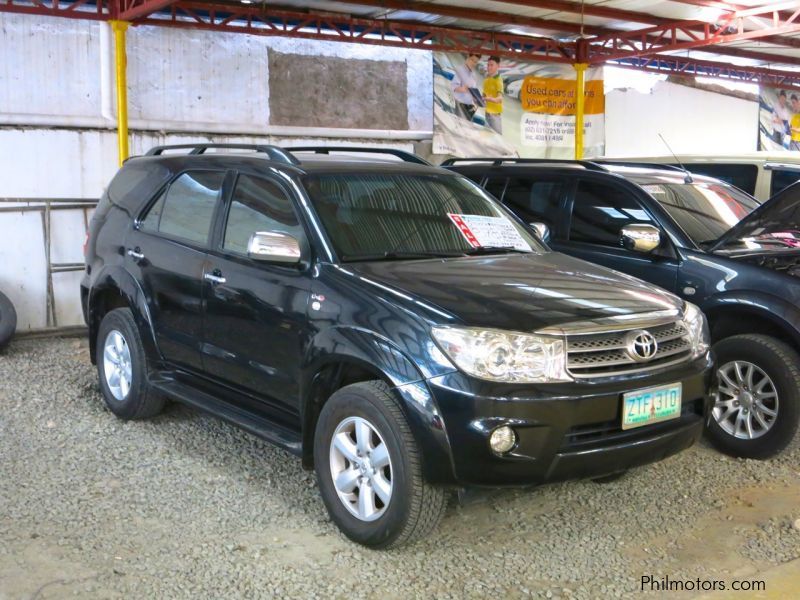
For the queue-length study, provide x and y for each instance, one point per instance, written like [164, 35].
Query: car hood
[778, 217]
[523, 292]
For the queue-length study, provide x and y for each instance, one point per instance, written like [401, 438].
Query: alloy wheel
[361, 468]
[747, 402]
[117, 365]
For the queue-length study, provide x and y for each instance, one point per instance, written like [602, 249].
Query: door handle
[135, 253]
[214, 279]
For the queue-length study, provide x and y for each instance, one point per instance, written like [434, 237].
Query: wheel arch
[116, 288]
[371, 357]
[753, 313]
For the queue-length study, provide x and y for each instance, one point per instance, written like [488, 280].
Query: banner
[778, 119]
[490, 106]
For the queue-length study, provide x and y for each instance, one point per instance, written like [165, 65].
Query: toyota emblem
[641, 345]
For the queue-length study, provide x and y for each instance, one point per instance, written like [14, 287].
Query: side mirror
[274, 247]
[640, 237]
[541, 230]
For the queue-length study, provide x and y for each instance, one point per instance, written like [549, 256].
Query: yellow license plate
[651, 405]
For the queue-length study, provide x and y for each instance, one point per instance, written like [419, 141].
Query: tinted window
[782, 178]
[258, 205]
[186, 209]
[534, 200]
[703, 211]
[496, 186]
[376, 216]
[600, 211]
[742, 176]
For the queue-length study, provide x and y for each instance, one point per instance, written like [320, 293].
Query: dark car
[700, 238]
[388, 322]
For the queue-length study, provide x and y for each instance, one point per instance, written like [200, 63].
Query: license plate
[644, 407]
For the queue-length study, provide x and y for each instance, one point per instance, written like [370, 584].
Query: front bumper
[566, 430]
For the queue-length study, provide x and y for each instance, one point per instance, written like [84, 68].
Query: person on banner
[781, 115]
[465, 86]
[493, 94]
[795, 123]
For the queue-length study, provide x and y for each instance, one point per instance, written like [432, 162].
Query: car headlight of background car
[504, 355]
[697, 327]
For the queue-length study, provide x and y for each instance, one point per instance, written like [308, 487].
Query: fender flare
[769, 307]
[338, 347]
[117, 278]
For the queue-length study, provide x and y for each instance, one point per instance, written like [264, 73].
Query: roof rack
[587, 164]
[401, 154]
[273, 152]
[621, 162]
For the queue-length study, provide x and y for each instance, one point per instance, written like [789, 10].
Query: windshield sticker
[489, 231]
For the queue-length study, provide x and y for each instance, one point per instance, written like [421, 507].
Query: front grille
[599, 435]
[604, 354]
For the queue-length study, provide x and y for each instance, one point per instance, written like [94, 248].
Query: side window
[600, 211]
[782, 178]
[258, 205]
[186, 209]
[534, 200]
[496, 186]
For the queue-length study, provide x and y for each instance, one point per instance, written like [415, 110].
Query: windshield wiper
[399, 255]
[477, 250]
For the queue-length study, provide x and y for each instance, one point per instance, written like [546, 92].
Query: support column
[580, 102]
[121, 82]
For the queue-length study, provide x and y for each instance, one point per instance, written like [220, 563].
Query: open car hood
[778, 218]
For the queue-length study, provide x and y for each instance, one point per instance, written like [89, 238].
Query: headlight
[697, 326]
[504, 356]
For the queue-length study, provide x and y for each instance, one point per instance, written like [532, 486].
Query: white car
[760, 174]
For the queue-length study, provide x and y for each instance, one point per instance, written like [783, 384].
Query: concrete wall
[57, 113]
[693, 121]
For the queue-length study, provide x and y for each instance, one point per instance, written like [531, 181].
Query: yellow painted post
[580, 100]
[121, 79]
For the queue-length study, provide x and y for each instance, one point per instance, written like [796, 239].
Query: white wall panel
[692, 121]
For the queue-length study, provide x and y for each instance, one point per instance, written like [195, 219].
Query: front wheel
[757, 408]
[369, 469]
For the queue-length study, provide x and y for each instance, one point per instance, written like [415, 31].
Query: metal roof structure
[749, 40]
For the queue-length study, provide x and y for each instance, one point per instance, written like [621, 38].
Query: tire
[135, 400]
[8, 320]
[414, 507]
[759, 357]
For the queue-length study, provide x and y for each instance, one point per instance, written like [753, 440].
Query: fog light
[502, 439]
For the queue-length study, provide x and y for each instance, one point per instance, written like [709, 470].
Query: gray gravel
[185, 506]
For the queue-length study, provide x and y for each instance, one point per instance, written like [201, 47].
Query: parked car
[389, 322]
[701, 238]
[760, 174]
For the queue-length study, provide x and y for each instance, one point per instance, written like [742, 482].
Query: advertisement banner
[495, 106]
[778, 119]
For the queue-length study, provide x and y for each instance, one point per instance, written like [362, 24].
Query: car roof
[759, 157]
[642, 175]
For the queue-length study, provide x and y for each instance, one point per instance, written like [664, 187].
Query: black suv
[385, 320]
[700, 238]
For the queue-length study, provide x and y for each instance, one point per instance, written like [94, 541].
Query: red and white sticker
[489, 231]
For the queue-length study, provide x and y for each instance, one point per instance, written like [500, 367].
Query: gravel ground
[185, 506]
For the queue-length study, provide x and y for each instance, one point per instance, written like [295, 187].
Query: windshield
[704, 211]
[397, 216]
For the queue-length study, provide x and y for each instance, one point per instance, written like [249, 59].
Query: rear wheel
[369, 469]
[757, 408]
[122, 367]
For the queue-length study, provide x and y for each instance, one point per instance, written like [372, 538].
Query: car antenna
[688, 175]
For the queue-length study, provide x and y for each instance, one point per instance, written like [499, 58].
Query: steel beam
[667, 38]
[130, 10]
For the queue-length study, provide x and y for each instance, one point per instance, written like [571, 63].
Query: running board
[255, 424]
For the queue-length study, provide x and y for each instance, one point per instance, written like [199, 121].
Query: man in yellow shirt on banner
[493, 95]
[794, 124]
